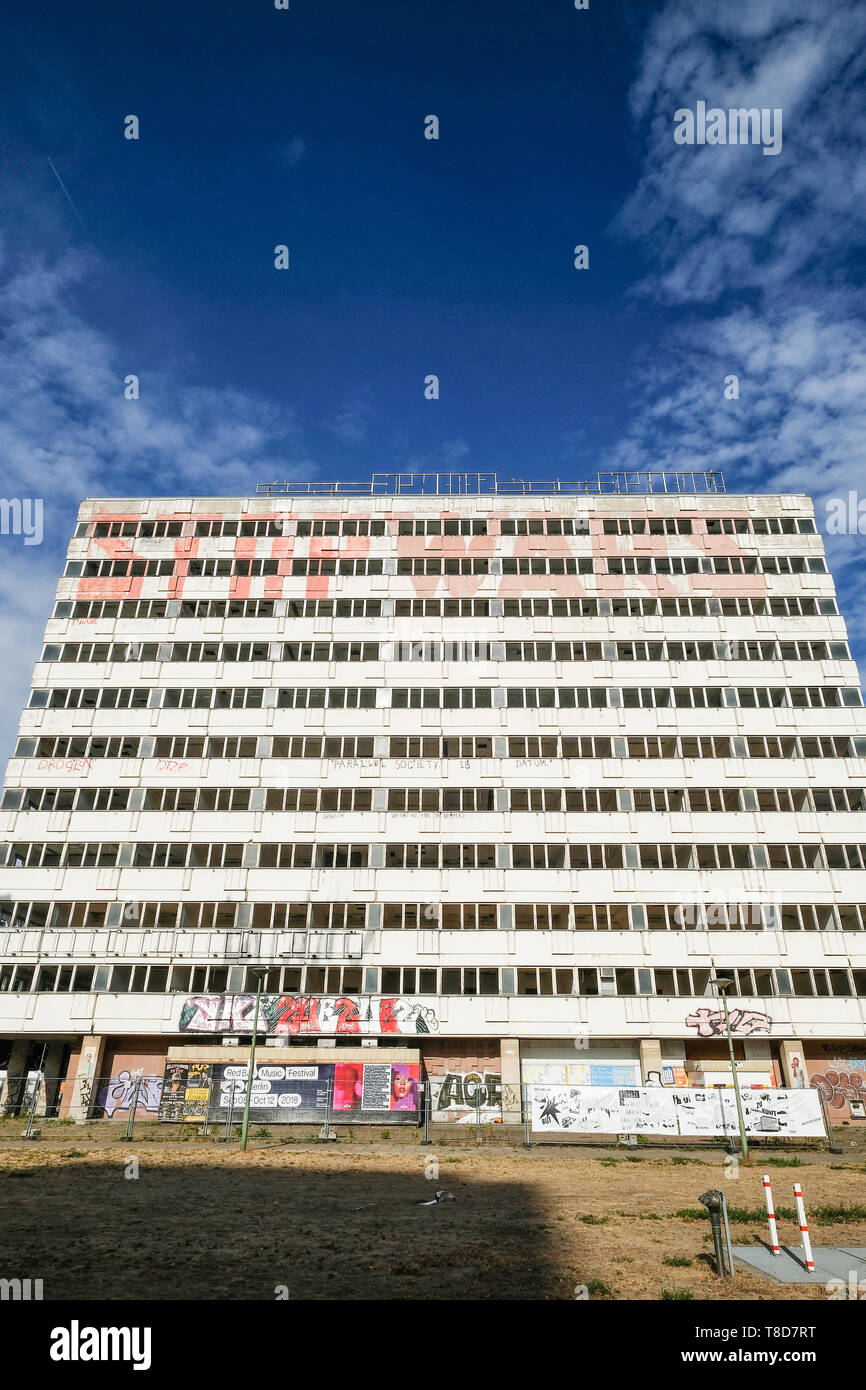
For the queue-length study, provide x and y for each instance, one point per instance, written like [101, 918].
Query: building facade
[491, 779]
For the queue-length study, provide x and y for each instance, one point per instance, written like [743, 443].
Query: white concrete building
[493, 780]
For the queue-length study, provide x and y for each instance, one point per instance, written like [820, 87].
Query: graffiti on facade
[710, 1023]
[292, 1015]
[117, 1097]
[839, 1088]
[465, 1097]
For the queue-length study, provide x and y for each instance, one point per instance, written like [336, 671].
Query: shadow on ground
[240, 1229]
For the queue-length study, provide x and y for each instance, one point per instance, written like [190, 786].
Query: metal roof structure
[476, 484]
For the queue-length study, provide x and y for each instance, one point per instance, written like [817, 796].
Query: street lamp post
[723, 985]
[261, 975]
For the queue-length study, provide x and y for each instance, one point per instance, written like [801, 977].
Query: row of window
[509, 526]
[462, 650]
[354, 917]
[427, 565]
[591, 917]
[707, 564]
[254, 568]
[285, 526]
[726, 649]
[448, 697]
[763, 982]
[203, 697]
[451, 526]
[627, 697]
[545, 747]
[427, 855]
[220, 916]
[780, 607]
[581, 800]
[714, 526]
[215, 651]
[591, 800]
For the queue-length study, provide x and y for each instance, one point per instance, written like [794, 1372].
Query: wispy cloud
[67, 432]
[351, 423]
[293, 152]
[449, 454]
[718, 218]
[755, 255]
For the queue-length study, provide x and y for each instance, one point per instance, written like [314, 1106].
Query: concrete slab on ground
[789, 1267]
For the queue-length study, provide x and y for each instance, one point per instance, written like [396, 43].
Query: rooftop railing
[490, 484]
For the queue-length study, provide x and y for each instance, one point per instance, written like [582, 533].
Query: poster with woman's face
[404, 1086]
[376, 1086]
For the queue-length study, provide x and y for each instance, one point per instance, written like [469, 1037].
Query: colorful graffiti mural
[294, 1015]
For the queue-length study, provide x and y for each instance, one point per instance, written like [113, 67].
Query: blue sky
[409, 256]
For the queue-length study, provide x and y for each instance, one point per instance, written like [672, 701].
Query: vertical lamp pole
[260, 976]
[723, 985]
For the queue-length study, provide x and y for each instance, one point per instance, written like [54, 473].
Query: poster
[285, 1094]
[796, 1113]
[377, 1089]
[603, 1110]
[664, 1110]
[674, 1075]
[601, 1074]
[185, 1091]
[586, 1073]
[706, 1111]
[278, 1094]
[785, 1113]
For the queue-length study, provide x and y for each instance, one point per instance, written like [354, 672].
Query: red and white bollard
[771, 1215]
[804, 1227]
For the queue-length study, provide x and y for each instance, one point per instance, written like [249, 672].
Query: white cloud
[799, 424]
[755, 251]
[66, 432]
[725, 218]
[28, 580]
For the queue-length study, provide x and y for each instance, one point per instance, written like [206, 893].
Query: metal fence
[134, 1098]
[483, 484]
[204, 1097]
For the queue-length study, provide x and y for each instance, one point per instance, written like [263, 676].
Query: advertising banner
[283, 1094]
[276, 1091]
[660, 1110]
[603, 1110]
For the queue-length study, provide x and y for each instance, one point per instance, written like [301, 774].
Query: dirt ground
[343, 1221]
